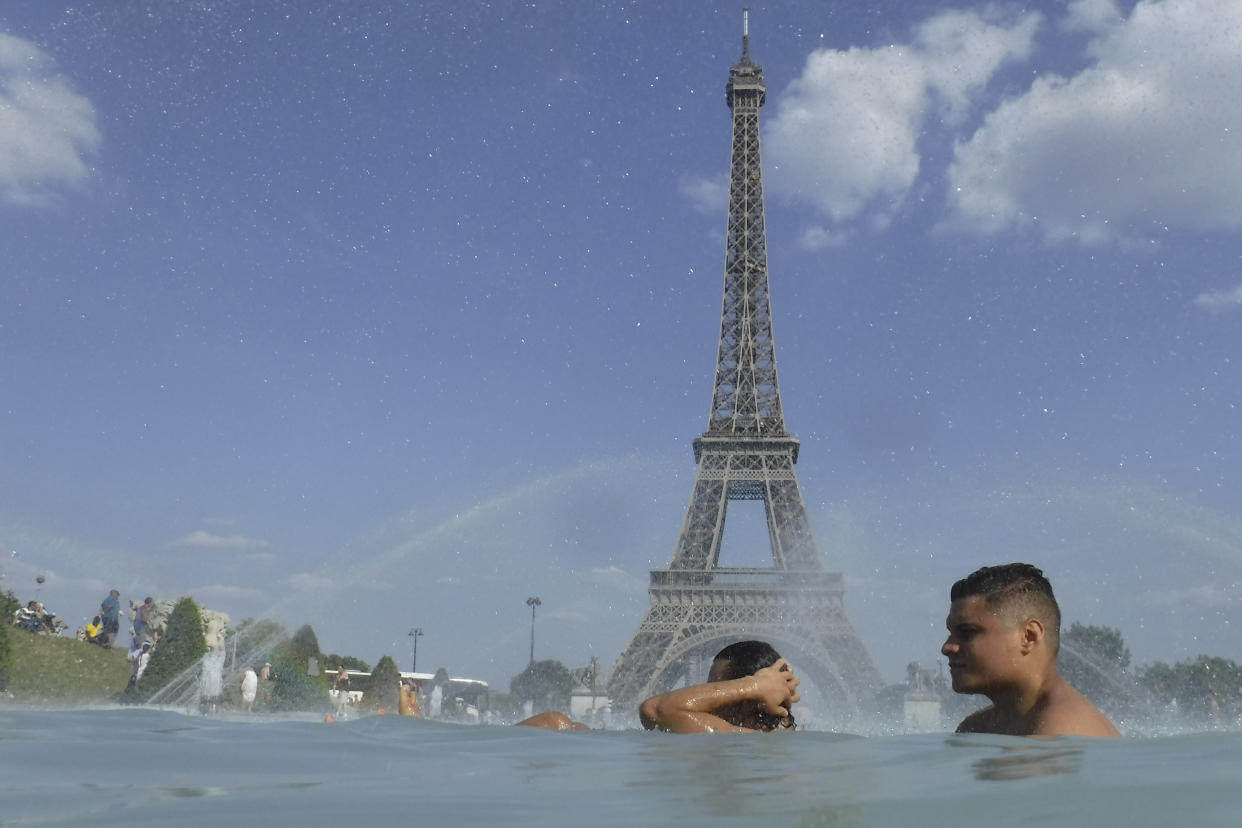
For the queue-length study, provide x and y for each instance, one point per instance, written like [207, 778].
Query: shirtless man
[750, 689]
[407, 701]
[1004, 631]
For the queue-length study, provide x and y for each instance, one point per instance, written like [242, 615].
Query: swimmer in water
[749, 689]
[1004, 632]
[552, 720]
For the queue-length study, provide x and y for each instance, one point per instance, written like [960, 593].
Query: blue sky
[375, 316]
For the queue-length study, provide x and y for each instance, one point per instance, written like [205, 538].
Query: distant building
[463, 697]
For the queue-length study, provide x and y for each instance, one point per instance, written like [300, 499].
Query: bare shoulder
[981, 721]
[1070, 713]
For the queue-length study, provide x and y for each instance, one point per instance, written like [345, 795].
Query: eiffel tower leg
[637, 671]
[697, 606]
[698, 546]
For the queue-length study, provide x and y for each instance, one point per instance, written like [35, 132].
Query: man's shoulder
[1070, 713]
[981, 721]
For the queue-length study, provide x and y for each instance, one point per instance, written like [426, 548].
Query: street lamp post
[414, 633]
[532, 603]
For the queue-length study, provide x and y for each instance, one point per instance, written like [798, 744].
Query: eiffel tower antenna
[697, 606]
[746, 34]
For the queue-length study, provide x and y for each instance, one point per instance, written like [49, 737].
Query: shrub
[293, 689]
[304, 646]
[383, 688]
[181, 646]
[8, 606]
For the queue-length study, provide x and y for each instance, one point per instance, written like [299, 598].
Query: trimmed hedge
[179, 648]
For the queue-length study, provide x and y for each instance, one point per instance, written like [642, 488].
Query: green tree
[548, 684]
[293, 689]
[1095, 659]
[8, 605]
[1206, 687]
[304, 645]
[383, 688]
[179, 648]
[255, 641]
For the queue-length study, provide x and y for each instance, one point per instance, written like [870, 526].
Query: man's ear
[1032, 635]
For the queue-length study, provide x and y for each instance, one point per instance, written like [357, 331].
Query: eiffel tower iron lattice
[698, 606]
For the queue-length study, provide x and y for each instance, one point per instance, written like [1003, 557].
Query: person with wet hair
[1004, 632]
[749, 689]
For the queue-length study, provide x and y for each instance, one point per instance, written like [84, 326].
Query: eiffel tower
[698, 606]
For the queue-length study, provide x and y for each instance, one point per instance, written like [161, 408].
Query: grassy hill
[56, 670]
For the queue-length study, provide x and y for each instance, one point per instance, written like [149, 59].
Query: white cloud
[708, 195]
[961, 51]
[1218, 299]
[1091, 15]
[1145, 139]
[816, 237]
[205, 540]
[47, 130]
[845, 135]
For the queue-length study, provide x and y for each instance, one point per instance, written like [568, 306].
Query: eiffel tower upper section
[746, 446]
[746, 400]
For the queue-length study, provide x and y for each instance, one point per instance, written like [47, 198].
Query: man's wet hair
[1015, 586]
[745, 658]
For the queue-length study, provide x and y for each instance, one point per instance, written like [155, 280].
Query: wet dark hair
[745, 658]
[1018, 586]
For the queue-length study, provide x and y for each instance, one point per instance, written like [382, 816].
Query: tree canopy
[383, 688]
[1206, 687]
[548, 684]
[1095, 659]
[256, 640]
[304, 645]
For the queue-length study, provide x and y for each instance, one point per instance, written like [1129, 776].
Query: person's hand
[777, 688]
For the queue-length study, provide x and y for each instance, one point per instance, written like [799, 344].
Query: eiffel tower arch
[697, 606]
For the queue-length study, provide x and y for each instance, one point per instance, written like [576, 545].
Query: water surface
[139, 767]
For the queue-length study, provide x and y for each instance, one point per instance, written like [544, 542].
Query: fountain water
[193, 687]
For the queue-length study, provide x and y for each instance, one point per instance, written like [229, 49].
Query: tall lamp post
[414, 633]
[532, 603]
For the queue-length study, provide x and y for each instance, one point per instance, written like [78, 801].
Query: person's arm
[692, 709]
